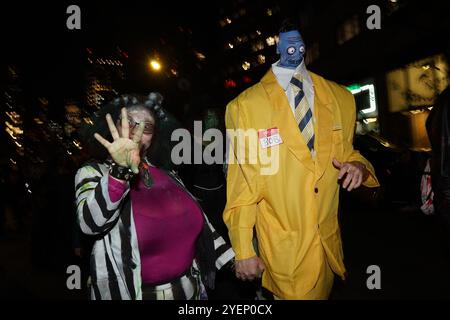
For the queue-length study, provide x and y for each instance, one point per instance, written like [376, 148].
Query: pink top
[168, 222]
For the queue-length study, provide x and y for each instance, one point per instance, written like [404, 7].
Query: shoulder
[248, 102]
[340, 93]
[92, 169]
[248, 95]
[336, 88]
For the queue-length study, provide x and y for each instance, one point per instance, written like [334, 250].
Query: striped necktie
[303, 113]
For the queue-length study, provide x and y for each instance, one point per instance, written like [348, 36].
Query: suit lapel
[289, 131]
[284, 119]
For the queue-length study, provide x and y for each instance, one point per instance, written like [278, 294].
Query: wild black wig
[159, 153]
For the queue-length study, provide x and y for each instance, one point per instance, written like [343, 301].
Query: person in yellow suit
[306, 125]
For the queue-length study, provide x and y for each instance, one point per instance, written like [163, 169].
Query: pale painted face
[135, 117]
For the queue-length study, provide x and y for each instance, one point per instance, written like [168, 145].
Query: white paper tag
[269, 138]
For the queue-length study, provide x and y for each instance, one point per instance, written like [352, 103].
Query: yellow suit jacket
[294, 209]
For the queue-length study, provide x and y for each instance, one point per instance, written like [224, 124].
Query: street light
[155, 65]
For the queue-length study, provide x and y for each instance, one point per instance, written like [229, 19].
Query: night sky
[50, 56]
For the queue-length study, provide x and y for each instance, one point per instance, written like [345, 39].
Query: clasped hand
[249, 269]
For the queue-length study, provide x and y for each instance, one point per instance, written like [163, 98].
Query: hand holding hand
[249, 269]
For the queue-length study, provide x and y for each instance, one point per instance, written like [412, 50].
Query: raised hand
[356, 173]
[124, 151]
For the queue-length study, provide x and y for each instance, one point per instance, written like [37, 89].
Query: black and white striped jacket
[115, 260]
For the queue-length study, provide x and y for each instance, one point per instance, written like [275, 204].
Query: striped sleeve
[96, 213]
[224, 252]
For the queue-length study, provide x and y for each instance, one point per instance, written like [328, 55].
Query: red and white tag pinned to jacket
[269, 138]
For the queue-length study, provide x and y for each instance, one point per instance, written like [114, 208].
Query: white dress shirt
[284, 76]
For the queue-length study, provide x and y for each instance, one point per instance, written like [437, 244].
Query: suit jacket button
[316, 190]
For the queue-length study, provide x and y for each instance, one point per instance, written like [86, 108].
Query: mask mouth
[294, 62]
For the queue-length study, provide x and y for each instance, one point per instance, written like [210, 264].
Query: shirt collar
[286, 74]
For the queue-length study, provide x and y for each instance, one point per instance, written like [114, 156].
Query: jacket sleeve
[243, 186]
[349, 124]
[96, 213]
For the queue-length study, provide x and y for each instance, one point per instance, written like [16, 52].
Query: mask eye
[302, 49]
[291, 50]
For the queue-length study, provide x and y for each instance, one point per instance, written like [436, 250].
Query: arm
[96, 212]
[351, 155]
[224, 252]
[243, 190]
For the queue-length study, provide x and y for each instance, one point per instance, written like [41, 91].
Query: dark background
[384, 228]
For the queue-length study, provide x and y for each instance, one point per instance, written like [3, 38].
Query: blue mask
[291, 49]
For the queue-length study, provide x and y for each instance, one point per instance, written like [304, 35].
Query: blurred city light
[270, 41]
[200, 55]
[261, 59]
[155, 65]
[246, 65]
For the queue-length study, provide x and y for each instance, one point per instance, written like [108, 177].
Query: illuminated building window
[269, 12]
[228, 20]
[200, 56]
[14, 117]
[246, 65]
[417, 85]
[261, 59]
[258, 32]
[229, 46]
[270, 41]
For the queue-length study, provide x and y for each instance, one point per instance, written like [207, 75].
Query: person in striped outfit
[153, 241]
